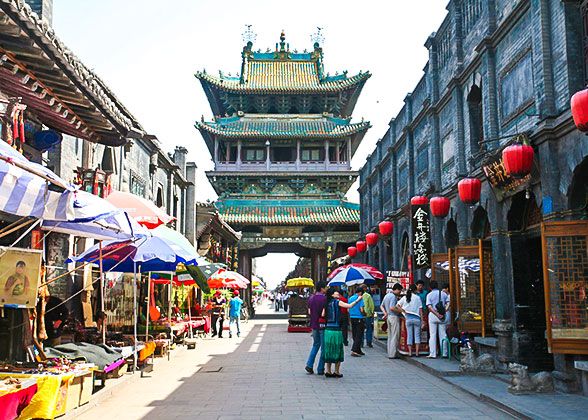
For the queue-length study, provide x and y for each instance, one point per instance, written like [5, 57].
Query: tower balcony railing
[256, 166]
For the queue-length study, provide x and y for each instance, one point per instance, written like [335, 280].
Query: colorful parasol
[351, 276]
[300, 282]
[224, 278]
[143, 211]
[374, 272]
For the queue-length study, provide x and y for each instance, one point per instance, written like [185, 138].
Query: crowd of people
[331, 311]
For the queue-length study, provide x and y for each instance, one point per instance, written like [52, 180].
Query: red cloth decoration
[440, 206]
[386, 227]
[579, 105]
[352, 251]
[15, 126]
[21, 126]
[470, 190]
[361, 246]
[419, 200]
[518, 160]
[372, 239]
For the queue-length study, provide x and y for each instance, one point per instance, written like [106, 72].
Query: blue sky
[147, 52]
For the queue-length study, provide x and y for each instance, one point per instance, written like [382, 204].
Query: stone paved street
[261, 376]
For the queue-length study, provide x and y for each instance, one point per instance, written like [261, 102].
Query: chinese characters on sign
[502, 183]
[235, 258]
[401, 277]
[329, 246]
[421, 236]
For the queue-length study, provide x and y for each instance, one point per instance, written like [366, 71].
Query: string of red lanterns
[386, 228]
[361, 246]
[469, 190]
[440, 206]
[352, 251]
[371, 239]
[419, 200]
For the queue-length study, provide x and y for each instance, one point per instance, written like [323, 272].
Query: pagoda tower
[282, 143]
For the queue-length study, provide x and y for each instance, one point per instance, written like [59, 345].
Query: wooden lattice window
[565, 273]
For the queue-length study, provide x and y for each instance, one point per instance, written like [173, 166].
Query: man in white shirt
[392, 317]
[437, 326]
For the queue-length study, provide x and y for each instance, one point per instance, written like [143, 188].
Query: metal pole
[102, 297]
[135, 316]
[148, 306]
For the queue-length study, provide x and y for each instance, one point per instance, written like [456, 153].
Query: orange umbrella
[143, 211]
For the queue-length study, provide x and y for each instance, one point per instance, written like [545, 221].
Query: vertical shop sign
[235, 258]
[329, 247]
[421, 236]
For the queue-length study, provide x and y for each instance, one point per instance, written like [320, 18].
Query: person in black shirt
[218, 314]
[55, 315]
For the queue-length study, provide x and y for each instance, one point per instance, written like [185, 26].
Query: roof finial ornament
[318, 38]
[249, 36]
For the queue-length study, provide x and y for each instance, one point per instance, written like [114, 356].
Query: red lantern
[419, 200]
[372, 239]
[440, 206]
[386, 228]
[469, 190]
[361, 246]
[518, 160]
[352, 251]
[580, 109]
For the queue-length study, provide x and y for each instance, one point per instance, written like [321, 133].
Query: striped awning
[30, 189]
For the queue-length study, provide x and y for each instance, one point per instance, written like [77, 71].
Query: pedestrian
[368, 303]
[218, 313]
[357, 315]
[436, 304]
[333, 348]
[55, 316]
[285, 298]
[391, 315]
[316, 304]
[344, 319]
[422, 293]
[235, 313]
[412, 310]
[445, 288]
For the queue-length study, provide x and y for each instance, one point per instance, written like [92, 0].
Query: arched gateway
[282, 144]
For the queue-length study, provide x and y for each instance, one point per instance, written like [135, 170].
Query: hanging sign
[421, 236]
[400, 277]
[502, 183]
[330, 253]
[20, 274]
[235, 258]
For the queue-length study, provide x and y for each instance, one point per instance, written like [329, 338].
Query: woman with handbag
[333, 347]
[436, 303]
[412, 309]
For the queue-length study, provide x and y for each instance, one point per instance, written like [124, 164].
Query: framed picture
[20, 275]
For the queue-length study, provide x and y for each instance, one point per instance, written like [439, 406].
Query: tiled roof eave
[321, 88]
[349, 131]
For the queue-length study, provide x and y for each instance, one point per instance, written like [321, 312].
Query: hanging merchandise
[21, 126]
[440, 206]
[470, 190]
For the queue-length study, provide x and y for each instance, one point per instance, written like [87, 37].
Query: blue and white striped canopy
[24, 191]
[28, 189]
[351, 276]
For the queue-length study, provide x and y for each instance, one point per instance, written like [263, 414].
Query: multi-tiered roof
[283, 97]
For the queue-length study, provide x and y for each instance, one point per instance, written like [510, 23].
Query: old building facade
[497, 70]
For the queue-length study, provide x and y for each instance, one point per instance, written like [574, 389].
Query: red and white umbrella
[373, 272]
[225, 278]
[143, 211]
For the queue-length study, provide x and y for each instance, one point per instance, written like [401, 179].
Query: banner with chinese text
[421, 236]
